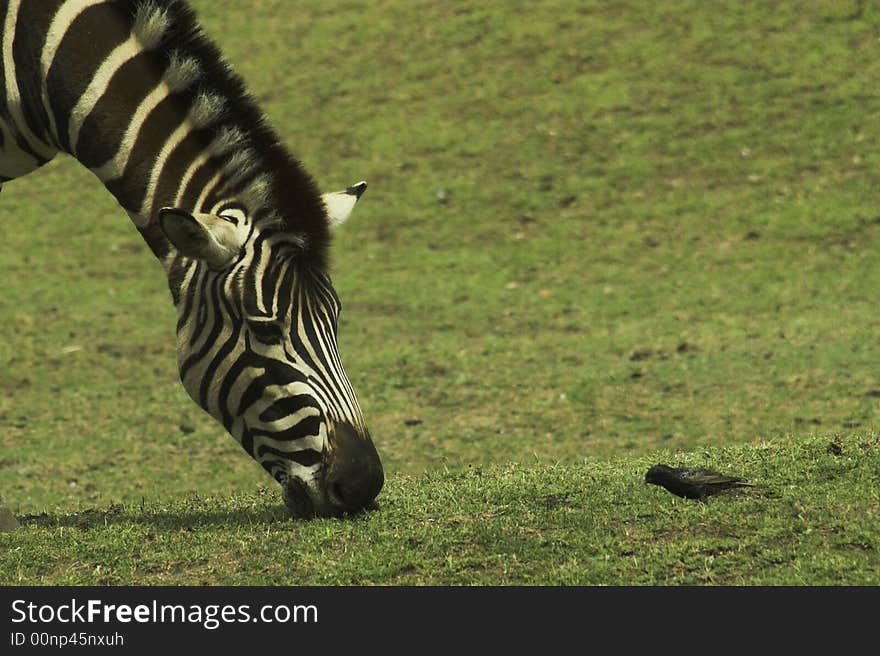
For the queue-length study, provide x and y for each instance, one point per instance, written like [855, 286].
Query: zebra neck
[137, 94]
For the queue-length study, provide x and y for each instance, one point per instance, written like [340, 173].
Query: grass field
[597, 236]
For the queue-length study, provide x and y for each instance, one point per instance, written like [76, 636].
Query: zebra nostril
[357, 493]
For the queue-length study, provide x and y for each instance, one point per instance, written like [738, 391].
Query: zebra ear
[201, 236]
[339, 204]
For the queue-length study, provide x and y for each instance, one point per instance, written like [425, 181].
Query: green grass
[811, 521]
[597, 235]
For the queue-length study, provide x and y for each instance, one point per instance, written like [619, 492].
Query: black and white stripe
[137, 93]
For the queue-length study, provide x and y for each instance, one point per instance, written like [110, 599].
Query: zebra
[137, 93]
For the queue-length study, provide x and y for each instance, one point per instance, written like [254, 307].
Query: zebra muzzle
[297, 499]
[354, 472]
[353, 477]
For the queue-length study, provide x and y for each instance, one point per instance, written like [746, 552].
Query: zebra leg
[8, 522]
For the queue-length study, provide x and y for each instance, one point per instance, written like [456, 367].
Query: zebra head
[257, 324]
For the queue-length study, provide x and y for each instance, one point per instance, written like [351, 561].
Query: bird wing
[700, 476]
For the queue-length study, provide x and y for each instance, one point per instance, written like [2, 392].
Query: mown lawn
[811, 520]
[597, 235]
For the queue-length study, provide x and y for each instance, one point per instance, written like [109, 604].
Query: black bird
[696, 483]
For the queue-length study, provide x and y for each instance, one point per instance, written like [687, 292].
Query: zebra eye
[265, 330]
[231, 214]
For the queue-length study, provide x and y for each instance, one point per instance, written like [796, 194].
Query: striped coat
[138, 94]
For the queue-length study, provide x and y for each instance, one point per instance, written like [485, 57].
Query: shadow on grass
[92, 518]
[183, 519]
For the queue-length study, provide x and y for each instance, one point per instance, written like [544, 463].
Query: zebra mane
[255, 159]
